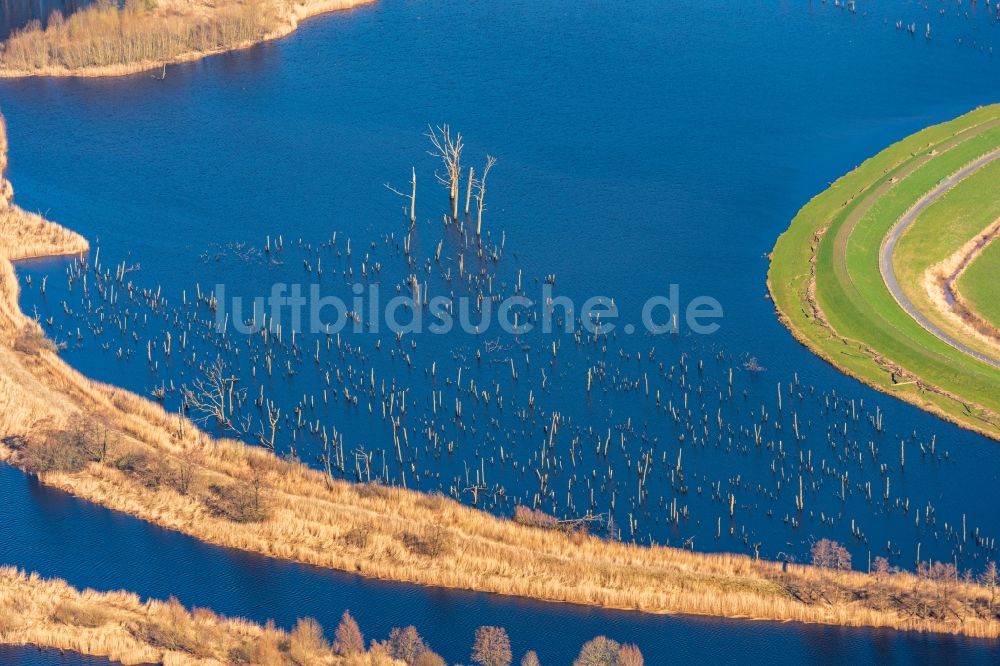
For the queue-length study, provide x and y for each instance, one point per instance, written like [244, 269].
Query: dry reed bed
[107, 40]
[122, 627]
[396, 534]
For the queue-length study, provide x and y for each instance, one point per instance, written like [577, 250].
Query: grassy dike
[938, 244]
[124, 452]
[826, 284]
[109, 38]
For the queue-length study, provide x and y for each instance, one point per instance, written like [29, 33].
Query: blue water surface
[639, 146]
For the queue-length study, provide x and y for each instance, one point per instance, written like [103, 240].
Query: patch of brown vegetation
[122, 627]
[108, 39]
[941, 281]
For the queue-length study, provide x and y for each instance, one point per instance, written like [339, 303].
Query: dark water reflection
[15, 14]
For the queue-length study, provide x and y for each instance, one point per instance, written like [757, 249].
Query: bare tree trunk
[481, 194]
[450, 152]
[412, 196]
[327, 463]
[413, 199]
[468, 191]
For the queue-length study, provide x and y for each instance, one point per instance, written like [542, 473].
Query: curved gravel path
[889, 248]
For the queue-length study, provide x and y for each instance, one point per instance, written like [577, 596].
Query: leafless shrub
[601, 651]
[266, 651]
[630, 655]
[990, 579]
[173, 631]
[140, 466]
[52, 452]
[240, 502]
[75, 614]
[429, 658]
[373, 489]
[31, 341]
[348, 638]
[524, 515]
[406, 645]
[308, 644]
[356, 538]
[432, 542]
[66, 449]
[881, 572]
[182, 477]
[829, 554]
[492, 647]
[433, 501]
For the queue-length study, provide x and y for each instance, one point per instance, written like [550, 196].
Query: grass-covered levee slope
[828, 274]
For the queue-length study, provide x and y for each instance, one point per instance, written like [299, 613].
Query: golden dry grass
[372, 530]
[105, 39]
[122, 627]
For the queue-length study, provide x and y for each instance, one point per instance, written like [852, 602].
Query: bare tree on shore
[348, 639]
[273, 419]
[990, 578]
[492, 647]
[829, 554]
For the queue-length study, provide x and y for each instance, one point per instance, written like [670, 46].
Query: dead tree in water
[327, 461]
[273, 418]
[412, 197]
[450, 151]
[481, 194]
[212, 396]
[468, 190]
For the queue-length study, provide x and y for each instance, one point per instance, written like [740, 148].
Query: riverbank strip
[49, 613]
[105, 40]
